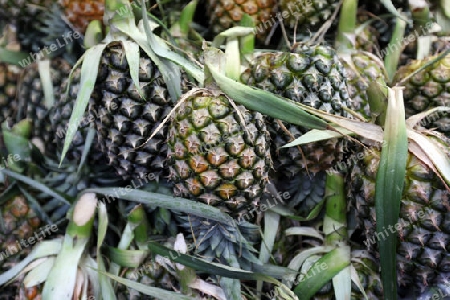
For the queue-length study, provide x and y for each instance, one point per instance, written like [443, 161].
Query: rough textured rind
[312, 75]
[215, 156]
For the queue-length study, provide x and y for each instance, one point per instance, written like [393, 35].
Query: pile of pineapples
[224, 149]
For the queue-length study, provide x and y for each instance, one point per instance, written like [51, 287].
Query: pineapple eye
[298, 63]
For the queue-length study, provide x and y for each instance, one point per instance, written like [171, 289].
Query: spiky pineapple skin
[310, 14]
[13, 9]
[362, 69]
[224, 14]
[423, 226]
[32, 99]
[124, 120]
[216, 157]
[426, 89]
[9, 77]
[312, 75]
[80, 12]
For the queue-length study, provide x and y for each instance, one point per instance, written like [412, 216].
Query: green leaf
[148, 290]
[47, 84]
[207, 267]
[315, 135]
[127, 258]
[390, 180]
[265, 102]
[133, 58]
[107, 290]
[165, 201]
[322, 271]
[15, 57]
[43, 249]
[89, 71]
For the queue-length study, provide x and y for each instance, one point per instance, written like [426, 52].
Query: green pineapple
[59, 116]
[14, 9]
[307, 14]
[124, 120]
[427, 89]
[422, 226]
[215, 156]
[367, 268]
[9, 77]
[312, 75]
[224, 14]
[49, 35]
[362, 69]
[32, 103]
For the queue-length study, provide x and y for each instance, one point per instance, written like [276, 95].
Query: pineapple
[32, 101]
[367, 268]
[307, 14]
[312, 75]
[28, 9]
[224, 14]
[48, 34]
[124, 120]
[215, 156]
[361, 69]
[422, 226]
[427, 89]
[59, 116]
[9, 77]
[80, 12]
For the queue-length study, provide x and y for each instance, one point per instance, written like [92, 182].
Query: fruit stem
[335, 221]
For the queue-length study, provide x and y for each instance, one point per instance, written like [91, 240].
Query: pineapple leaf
[265, 102]
[61, 281]
[127, 258]
[391, 8]
[304, 231]
[298, 260]
[355, 279]
[47, 85]
[43, 249]
[107, 291]
[89, 71]
[237, 31]
[132, 55]
[434, 153]
[36, 184]
[315, 135]
[39, 274]
[14, 57]
[322, 271]
[207, 267]
[412, 121]
[168, 202]
[271, 224]
[390, 180]
[342, 283]
[148, 290]
[392, 57]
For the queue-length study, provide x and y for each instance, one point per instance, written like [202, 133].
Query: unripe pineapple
[32, 100]
[422, 227]
[224, 14]
[362, 69]
[124, 120]
[427, 89]
[215, 156]
[14, 9]
[312, 75]
[368, 270]
[9, 77]
[307, 14]
[59, 116]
